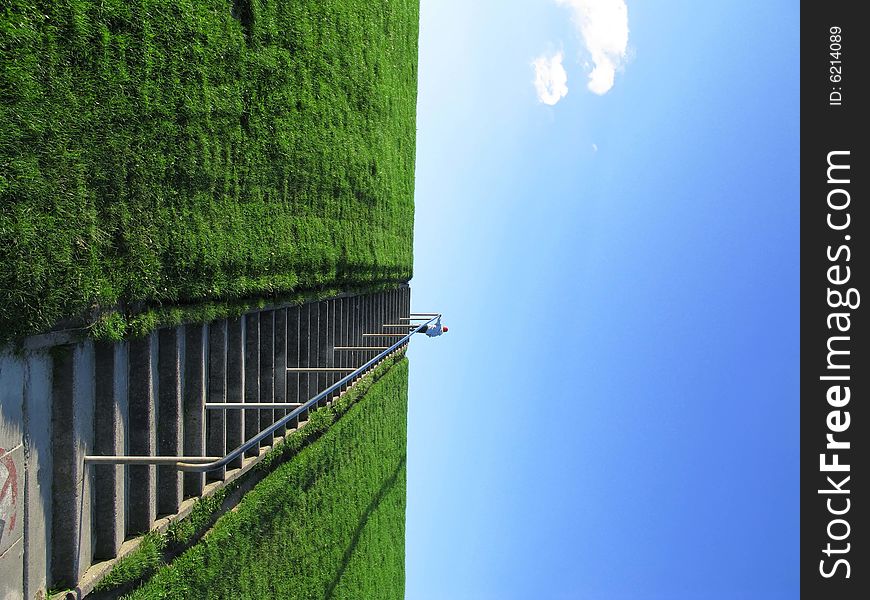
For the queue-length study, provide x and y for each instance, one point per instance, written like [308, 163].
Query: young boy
[434, 330]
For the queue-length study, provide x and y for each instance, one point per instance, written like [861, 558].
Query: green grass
[170, 153]
[146, 559]
[328, 523]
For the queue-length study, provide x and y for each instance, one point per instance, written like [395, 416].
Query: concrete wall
[26, 469]
[12, 473]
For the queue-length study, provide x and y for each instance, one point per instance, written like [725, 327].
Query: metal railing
[202, 464]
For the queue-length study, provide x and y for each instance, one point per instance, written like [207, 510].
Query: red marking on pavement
[8, 490]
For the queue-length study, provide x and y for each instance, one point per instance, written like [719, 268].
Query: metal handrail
[195, 464]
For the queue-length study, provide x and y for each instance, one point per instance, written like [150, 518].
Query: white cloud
[595, 147]
[551, 80]
[603, 25]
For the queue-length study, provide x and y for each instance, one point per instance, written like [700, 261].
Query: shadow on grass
[373, 505]
[244, 12]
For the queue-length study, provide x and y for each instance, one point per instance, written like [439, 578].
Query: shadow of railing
[386, 486]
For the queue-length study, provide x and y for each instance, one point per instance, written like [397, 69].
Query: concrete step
[251, 379]
[195, 388]
[141, 488]
[110, 419]
[72, 436]
[170, 358]
[215, 420]
[235, 420]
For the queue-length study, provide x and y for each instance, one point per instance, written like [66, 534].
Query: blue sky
[614, 412]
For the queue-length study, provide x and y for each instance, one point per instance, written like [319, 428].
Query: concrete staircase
[62, 521]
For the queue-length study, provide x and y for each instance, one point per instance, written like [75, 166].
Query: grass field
[160, 153]
[328, 523]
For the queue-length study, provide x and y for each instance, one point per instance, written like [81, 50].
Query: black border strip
[834, 333]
